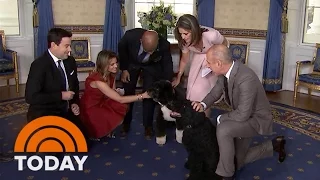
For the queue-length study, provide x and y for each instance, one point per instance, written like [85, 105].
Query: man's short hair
[56, 34]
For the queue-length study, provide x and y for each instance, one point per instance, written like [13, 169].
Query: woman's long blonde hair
[103, 60]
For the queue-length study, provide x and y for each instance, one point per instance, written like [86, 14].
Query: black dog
[161, 92]
[199, 135]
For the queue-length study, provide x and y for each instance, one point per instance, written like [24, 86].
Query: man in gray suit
[250, 116]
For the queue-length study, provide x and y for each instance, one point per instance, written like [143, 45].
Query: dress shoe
[187, 165]
[148, 132]
[124, 130]
[279, 146]
[225, 178]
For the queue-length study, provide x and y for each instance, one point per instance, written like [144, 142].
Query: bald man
[250, 116]
[143, 52]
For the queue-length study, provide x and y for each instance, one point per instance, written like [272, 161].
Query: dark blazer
[247, 97]
[160, 62]
[45, 84]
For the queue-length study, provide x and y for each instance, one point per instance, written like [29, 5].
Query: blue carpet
[135, 158]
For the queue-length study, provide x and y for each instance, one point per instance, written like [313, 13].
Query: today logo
[50, 134]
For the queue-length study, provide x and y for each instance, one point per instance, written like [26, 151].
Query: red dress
[99, 113]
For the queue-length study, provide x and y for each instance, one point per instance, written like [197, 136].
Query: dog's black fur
[162, 92]
[199, 135]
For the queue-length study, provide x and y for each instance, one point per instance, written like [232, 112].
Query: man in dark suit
[143, 52]
[250, 116]
[52, 87]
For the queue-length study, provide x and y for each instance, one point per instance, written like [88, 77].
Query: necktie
[142, 56]
[226, 92]
[63, 76]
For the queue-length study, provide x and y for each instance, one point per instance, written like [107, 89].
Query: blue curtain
[206, 12]
[112, 25]
[45, 24]
[273, 58]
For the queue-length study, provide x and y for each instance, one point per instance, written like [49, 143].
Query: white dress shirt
[55, 59]
[227, 76]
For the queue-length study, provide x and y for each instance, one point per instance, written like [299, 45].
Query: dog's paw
[179, 134]
[166, 114]
[161, 140]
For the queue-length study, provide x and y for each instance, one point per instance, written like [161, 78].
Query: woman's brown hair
[103, 60]
[189, 23]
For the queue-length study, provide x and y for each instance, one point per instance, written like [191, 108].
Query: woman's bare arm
[183, 62]
[112, 94]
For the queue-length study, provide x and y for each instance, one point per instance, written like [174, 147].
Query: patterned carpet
[135, 158]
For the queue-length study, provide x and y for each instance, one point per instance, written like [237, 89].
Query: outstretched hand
[175, 82]
[145, 95]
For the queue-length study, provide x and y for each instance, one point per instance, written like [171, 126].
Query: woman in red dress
[102, 107]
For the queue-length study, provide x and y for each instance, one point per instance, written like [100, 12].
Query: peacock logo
[50, 134]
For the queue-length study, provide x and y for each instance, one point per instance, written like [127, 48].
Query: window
[312, 22]
[180, 7]
[9, 17]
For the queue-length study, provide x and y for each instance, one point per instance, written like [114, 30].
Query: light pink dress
[198, 87]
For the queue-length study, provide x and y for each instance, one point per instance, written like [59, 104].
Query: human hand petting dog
[197, 106]
[145, 95]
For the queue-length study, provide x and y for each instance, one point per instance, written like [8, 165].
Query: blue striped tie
[142, 56]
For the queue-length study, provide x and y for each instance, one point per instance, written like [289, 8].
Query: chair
[240, 51]
[8, 62]
[80, 50]
[308, 80]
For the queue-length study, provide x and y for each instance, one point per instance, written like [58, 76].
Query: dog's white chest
[166, 114]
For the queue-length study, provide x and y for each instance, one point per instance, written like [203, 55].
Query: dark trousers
[148, 104]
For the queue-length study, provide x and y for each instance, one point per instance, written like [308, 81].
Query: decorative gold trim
[223, 106]
[284, 19]
[82, 29]
[123, 15]
[283, 51]
[16, 72]
[271, 81]
[14, 55]
[88, 44]
[296, 128]
[35, 14]
[3, 39]
[312, 86]
[278, 80]
[243, 43]
[243, 33]
[304, 84]
[85, 69]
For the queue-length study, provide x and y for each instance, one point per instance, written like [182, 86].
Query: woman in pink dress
[197, 39]
[102, 107]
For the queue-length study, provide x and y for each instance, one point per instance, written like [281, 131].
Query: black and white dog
[198, 134]
[164, 94]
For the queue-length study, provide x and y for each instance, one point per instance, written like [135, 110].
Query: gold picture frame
[81, 48]
[240, 50]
